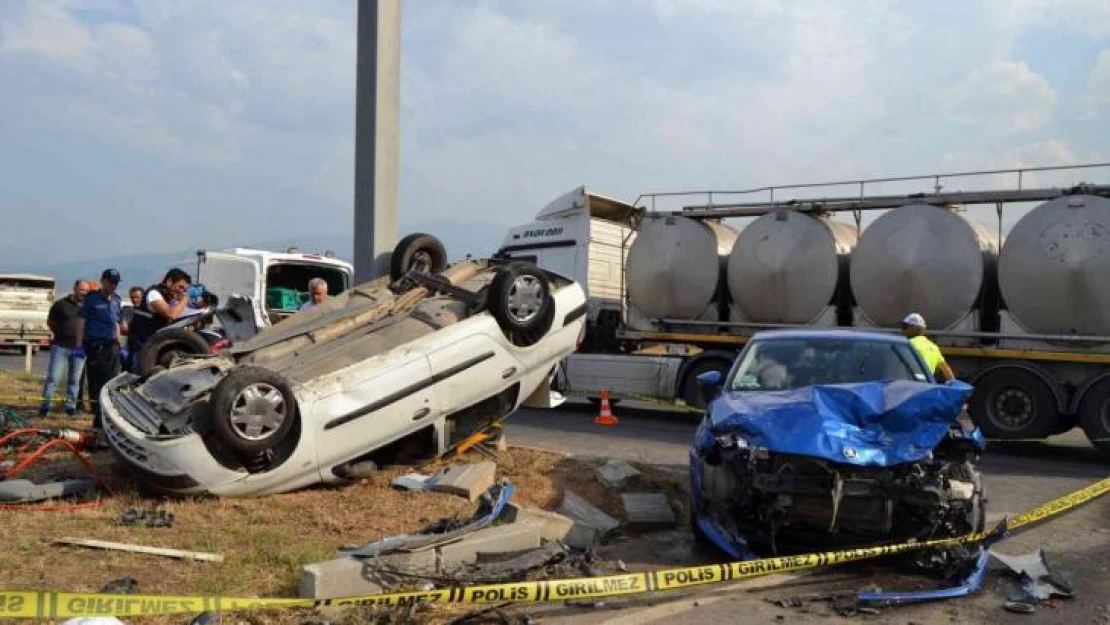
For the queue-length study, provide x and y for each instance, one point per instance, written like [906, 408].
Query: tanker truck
[673, 293]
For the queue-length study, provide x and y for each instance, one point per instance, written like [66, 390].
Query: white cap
[914, 320]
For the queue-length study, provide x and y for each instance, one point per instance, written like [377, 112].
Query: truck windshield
[783, 364]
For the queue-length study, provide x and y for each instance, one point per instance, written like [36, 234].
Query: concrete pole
[377, 135]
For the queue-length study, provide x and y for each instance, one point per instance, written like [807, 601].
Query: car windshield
[783, 364]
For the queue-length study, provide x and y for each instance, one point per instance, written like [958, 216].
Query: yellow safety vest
[929, 351]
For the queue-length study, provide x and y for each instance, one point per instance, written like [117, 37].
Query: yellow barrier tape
[55, 605]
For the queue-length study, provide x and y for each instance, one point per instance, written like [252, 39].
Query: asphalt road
[14, 360]
[1016, 478]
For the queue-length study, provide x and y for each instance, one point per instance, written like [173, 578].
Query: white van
[275, 282]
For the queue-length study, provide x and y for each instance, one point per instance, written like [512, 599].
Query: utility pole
[377, 135]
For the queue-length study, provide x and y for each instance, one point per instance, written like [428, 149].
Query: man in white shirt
[318, 294]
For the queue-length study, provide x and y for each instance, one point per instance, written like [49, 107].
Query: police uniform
[144, 323]
[102, 315]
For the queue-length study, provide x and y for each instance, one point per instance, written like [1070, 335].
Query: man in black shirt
[64, 362]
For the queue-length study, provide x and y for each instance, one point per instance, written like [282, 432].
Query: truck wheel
[1094, 415]
[252, 410]
[1014, 403]
[520, 300]
[166, 345]
[419, 251]
[691, 392]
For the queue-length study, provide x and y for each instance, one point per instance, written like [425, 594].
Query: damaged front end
[839, 466]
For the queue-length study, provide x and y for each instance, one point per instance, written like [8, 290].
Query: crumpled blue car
[820, 440]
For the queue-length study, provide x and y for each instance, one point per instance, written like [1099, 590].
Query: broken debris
[648, 511]
[616, 473]
[585, 513]
[550, 525]
[149, 518]
[1036, 581]
[467, 480]
[414, 482]
[26, 491]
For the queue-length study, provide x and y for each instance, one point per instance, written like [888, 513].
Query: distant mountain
[460, 238]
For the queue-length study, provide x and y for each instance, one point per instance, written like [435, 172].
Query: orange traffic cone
[605, 417]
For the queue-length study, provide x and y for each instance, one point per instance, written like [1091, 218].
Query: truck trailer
[1023, 316]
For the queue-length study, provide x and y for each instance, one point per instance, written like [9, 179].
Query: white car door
[472, 367]
[227, 274]
[370, 407]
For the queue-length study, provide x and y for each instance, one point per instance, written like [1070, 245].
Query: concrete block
[583, 537]
[584, 512]
[467, 480]
[616, 473]
[341, 577]
[549, 525]
[648, 511]
[500, 539]
[345, 577]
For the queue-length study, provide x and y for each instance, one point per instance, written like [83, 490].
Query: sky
[140, 126]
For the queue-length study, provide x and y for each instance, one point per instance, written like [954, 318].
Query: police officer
[160, 305]
[913, 327]
[98, 337]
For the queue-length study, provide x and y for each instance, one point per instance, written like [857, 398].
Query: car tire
[1094, 415]
[160, 350]
[419, 251]
[1013, 403]
[252, 410]
[519, 298]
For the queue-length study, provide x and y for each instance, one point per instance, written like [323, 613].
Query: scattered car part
[413, 482]
[26, 491]
[1038, 581]
[149, 518]
[517, 568]
[968, 583]
[121, 586]
[443, 531]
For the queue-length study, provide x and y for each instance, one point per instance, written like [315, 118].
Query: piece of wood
[154, 551]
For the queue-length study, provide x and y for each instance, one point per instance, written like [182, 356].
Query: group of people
[89, 327]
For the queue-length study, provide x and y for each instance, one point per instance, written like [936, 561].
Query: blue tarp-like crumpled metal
[872, 424]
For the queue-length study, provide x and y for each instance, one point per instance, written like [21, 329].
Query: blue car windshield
[783, 364]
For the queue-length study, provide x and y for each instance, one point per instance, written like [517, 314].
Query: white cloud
[46, 29]
[1004, 96]
[1097, 98]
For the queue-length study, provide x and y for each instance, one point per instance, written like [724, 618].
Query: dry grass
[264, 540]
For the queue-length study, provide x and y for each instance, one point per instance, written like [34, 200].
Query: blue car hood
[873, 424]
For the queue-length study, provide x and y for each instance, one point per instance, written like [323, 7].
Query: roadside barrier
[44, 605]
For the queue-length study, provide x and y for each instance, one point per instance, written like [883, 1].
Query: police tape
[54, 605]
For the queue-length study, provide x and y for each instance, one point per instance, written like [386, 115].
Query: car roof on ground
[811, 334]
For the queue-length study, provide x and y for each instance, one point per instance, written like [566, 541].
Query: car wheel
[421, 252]
[520, 300]
[1094, 415]
[166, 345]
[1013, 403]
[252, 410]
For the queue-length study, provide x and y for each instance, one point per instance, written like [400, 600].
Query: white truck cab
[276, 282]
[584, 236]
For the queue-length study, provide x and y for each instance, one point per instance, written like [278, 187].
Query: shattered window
[782, 364]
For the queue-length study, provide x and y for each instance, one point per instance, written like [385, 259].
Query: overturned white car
[416, 362]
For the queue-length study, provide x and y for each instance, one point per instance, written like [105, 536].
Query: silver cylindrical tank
[1054, 271]
[924, 259]
[785, 266]
[674, 266]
